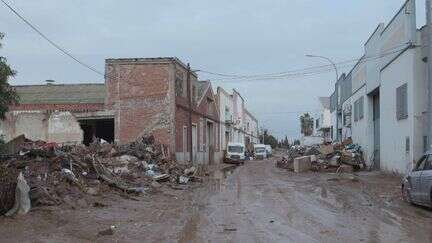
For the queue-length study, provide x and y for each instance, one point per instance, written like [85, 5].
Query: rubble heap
[337, 157]
[56, 174]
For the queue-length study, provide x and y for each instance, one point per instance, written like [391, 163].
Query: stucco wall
[63, 127]
[394, 132]
[59, 127]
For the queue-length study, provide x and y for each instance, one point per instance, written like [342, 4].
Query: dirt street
[256, 202]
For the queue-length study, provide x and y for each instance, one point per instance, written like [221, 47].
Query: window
[421, 163]
[179, 86]
[317, 123]
[356, 111]
[359, 109]
[425, 144]
[210, 106]
[235, 149]
[194, 95]
[428, 164]
[407, 145]
[402, 102]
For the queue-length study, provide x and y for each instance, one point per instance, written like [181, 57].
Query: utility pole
[188, 82]
[429, 63]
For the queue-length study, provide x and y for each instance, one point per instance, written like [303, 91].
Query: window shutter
[356, 110]
[402, 102]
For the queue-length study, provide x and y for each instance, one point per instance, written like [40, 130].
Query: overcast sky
[244, 37]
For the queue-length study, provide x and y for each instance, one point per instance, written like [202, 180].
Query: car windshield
[260, 150]
[235, 149]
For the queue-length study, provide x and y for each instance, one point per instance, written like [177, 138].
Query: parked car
[417, 185]
[260, 151]
[269, 150]
[235, 153]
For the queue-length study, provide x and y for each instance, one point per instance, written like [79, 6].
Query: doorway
[210, 142]
[376, 125]
[194, 143]
[97, 129]
[185, 144]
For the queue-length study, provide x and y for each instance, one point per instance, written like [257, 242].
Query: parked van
[235, 153]
[269, 150]
[260, 151]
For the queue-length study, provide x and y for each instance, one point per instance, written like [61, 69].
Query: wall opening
[97, 129]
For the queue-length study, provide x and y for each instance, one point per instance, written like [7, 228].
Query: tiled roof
[61, 93]
[201, 87]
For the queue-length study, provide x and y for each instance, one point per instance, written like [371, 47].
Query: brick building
[140, 96]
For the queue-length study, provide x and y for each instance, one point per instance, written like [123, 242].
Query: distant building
[323, 122]
[237, 123]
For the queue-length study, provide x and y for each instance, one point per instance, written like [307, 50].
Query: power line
[58, 47]
[305, 71]
[310, 71]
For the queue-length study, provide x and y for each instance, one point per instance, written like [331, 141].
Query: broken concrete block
[326, 149]
[302, 164]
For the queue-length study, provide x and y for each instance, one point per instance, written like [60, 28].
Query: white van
[260, 151]
[235, 153]
[269, 150]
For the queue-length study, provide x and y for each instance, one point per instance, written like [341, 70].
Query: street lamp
[330, 61]
[337, 77]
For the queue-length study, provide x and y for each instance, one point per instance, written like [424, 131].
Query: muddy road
[260, 203]
[256, 202]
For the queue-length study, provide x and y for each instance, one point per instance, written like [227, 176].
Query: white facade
[323, 123]
[237, 124]
[393, 57]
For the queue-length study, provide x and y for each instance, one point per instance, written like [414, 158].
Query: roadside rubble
[56, 174]
[344, 157]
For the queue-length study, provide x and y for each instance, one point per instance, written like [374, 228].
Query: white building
[388, 95]
[323, 122]
[237, 123]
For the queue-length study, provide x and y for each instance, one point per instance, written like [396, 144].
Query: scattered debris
[51, 174]
[339, 157]
[302, 164]
[109, 231]
[22, 203]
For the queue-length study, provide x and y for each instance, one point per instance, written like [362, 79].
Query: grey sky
[226, 36]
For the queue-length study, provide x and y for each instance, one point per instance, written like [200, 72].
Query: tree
[8, 96]
[306, 123]
[269, 139]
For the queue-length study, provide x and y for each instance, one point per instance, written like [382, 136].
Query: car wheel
[406, 194]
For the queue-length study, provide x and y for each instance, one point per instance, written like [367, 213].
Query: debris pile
[338, 157]
[62, 174]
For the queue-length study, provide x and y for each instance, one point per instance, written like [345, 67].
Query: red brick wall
[141, 93]
[201, 112]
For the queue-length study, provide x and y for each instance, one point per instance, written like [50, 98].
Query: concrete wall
[395, 132]
[59, 127]
[63, 127]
